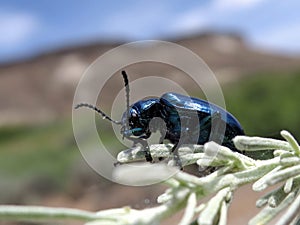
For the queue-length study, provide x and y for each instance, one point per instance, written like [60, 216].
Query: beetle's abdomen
[190, 120]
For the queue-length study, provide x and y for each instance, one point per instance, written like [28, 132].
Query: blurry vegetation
[44, 151]
[264, 104]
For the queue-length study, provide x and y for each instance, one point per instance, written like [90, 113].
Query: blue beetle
[186, 120]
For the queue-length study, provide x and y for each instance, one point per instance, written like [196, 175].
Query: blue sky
[32, 26]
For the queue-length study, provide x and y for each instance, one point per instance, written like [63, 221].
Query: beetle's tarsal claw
[177, 160]
[148, 154]
[117, 164]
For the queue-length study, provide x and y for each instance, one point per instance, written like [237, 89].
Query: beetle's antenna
[98, 111]
[125, 77]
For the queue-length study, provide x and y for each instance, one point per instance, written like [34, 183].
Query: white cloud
[235, 4]
[16, 27]
[190, 21]
[284, 38]
[204, 16]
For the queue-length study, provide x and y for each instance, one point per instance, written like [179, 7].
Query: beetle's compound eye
[133, 120]
[133, 115]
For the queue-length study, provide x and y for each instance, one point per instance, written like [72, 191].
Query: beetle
[186, 120]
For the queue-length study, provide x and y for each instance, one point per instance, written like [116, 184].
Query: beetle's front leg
[146, 148]
[144, 143]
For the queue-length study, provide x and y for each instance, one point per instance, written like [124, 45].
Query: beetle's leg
[184, 138]
[161, 141]
[215, 124]
[146, 150]
[117, 164]
[177, 159]
[205, 123]
[158, 124]
[145, 146]
[134, 144]
[218, 128]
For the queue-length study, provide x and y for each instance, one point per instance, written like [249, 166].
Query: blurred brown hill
[42, 88]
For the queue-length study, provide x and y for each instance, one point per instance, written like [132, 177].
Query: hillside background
[40, 163]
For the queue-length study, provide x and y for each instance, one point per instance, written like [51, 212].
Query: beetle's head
[133, 124]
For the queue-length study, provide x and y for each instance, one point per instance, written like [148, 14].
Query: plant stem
[14, 212]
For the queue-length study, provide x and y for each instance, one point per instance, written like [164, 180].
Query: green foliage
[45, 151]
[265, 103]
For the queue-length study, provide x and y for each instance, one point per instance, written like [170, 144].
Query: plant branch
[231, 170]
